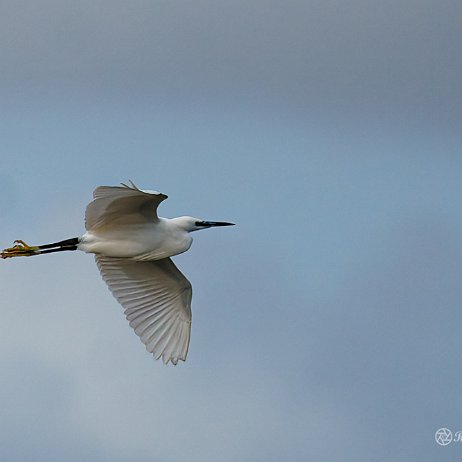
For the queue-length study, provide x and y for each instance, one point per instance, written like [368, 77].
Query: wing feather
[119, 205]
[156, 298]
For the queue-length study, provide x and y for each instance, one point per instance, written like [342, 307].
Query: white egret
[132, 247]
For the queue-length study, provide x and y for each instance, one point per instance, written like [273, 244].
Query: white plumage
[132, 247]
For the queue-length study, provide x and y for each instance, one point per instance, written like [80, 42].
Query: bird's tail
[21, 249]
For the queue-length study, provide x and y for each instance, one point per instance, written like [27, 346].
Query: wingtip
[174, 361]
[148, 191]
[132, 185]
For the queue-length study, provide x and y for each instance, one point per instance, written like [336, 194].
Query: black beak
[209, 224]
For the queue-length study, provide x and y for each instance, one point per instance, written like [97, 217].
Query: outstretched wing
[156, 298]
[122, 205]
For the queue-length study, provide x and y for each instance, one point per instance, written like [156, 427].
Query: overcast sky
[326, 324]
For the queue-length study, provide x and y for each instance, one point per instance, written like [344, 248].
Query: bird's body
[148, 241]
[132, 248]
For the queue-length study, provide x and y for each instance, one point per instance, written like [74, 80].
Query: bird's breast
[172, 245]
[139, 243]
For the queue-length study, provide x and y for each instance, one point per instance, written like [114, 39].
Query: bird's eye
[199, 223]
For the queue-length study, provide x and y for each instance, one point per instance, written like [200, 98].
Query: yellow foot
[21, 249]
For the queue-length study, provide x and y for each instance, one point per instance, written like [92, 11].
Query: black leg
[58, 249]
[66, 243]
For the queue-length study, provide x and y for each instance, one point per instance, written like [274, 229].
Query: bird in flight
[132, 247]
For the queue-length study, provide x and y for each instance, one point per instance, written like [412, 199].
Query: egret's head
[194, 224]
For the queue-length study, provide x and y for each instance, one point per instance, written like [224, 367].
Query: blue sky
[325, 324]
